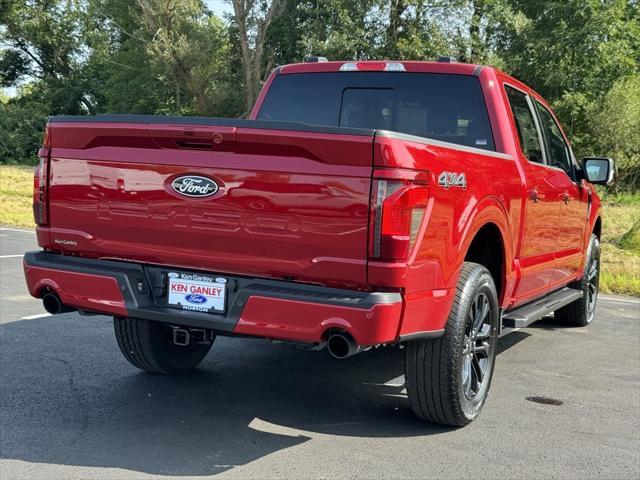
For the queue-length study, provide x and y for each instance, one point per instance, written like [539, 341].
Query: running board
[525, 315]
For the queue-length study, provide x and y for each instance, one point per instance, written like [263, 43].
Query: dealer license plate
[196, 292]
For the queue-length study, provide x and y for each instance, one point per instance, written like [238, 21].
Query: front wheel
[582, 311]
[148, 346]
[448, 378]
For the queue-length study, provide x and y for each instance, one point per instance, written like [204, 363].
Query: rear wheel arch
[487, 226]
[487, 248]
[597, 227]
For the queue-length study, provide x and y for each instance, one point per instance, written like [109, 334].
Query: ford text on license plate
[200, 293]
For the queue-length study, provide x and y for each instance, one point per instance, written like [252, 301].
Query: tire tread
[575, 314]
[135, 340]
[431, 366]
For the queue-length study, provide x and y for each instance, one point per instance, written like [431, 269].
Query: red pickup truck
[431, 205]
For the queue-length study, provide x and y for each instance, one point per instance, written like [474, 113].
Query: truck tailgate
[291, 202]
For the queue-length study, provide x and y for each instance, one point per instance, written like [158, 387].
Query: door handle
[533, 195]
[565, 198]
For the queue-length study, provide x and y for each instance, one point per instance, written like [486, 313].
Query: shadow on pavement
[511, 340]
[548, 323]
[68, 397]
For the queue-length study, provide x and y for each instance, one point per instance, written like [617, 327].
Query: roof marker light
[394, 67]
[372, 67]
[348, 67]
[315, 59]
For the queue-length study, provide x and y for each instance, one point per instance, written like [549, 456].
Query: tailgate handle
[194, 145]
[194, 137]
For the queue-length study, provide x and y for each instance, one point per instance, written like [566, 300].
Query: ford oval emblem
[197, 299]
[195, 186]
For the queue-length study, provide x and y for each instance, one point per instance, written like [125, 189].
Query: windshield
[444, 107]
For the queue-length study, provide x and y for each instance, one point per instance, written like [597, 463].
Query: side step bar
[525, 315]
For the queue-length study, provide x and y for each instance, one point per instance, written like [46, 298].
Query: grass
[620, 229]
[631, 240]
[16, 187]
[621, 245]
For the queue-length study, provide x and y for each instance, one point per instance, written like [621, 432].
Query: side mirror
[598, 170]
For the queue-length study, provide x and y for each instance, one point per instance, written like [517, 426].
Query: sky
[218, 7]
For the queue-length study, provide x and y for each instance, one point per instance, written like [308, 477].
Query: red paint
[300, 206]
[291, 204]
[89, 292]
[308, 322]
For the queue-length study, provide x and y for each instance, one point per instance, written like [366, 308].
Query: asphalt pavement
[564, 403]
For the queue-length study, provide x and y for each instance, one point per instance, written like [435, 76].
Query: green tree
[413, 31]
[562, 46]
[187, 48]
[43, 45]
[616, 129]
[573, 52]
[21, 126]
[162, 56]
[252, 20]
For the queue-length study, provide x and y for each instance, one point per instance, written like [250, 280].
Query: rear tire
[148, 346]
[581, 312]
[448, 378]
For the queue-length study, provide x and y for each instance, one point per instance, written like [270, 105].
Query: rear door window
[525, 125]
[557, 148]
[443, 107]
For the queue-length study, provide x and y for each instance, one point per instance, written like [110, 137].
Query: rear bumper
[255, 307]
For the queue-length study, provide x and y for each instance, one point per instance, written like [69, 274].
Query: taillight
[40, 214]
[46, 139]
[400, 206]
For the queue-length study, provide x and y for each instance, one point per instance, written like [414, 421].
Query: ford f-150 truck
[429, 205]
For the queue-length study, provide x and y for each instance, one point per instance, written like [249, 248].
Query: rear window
[444, 107]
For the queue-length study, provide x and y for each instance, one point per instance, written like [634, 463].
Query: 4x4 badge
[452, 179]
